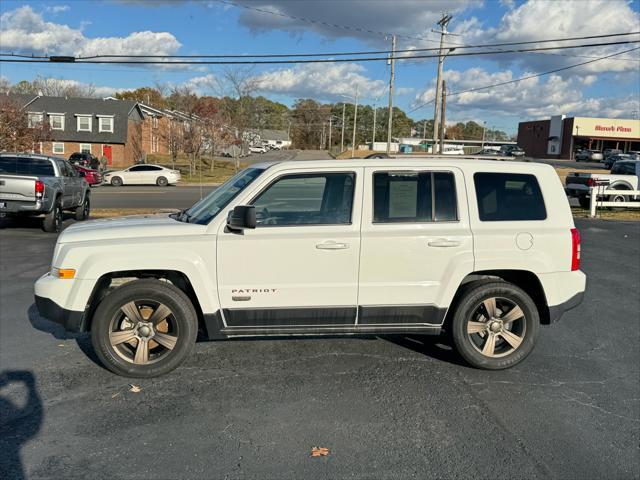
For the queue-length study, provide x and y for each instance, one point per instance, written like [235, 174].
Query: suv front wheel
[495, 325]
[144, 329]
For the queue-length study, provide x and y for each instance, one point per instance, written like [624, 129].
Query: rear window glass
[509, 196]
[26, 166]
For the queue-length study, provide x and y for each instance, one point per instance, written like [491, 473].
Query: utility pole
[330, 127]
[391, 79]
[344, 105]
[484, 129]
[373, 138]
[444, 21]
[444, 113]
[322, 138]
[355, 118]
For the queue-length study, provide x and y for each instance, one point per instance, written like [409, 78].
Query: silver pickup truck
[41, 185]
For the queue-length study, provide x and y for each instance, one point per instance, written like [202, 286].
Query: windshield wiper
[182, 216]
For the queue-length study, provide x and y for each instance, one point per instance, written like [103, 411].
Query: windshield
[207, 208]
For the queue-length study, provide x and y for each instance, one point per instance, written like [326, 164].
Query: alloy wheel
[497, 327]
[143, 332]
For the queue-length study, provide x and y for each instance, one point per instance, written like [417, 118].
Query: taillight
[39, 188]
[591, 182]
[575, 249]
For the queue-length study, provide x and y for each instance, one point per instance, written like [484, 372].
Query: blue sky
[605, 88]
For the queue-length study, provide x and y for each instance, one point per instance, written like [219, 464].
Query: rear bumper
[71, 320]
[564, 291]
[556, 311]
[29, 208]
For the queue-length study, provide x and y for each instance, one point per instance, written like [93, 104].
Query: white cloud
[57, 8]
[534, 20]
[203, 85]
[323, 81]
[24, 30]
[529, 99]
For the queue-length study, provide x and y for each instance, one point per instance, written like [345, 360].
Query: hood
[137, 226]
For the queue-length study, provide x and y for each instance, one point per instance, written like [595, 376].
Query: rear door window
[414, 197]
[508, 197]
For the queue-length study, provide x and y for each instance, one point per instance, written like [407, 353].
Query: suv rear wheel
[495, 325]
[144, 329]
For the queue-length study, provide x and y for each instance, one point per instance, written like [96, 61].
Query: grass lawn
[223, 168]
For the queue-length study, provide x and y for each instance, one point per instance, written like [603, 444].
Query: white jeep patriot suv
[484, 250]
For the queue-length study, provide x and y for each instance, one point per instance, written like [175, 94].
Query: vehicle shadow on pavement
[434, 346]
[19, 421]
[29, 222]
[83, 340]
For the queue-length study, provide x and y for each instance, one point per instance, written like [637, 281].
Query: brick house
[154, 127]
[108, 127]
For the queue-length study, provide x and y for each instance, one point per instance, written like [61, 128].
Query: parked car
[84, 159]
[488, 152]
[486, 250]
[91, 176]
[589, 156]
[511, 151]
[624, 176]
[258, 149]
[33, 185]
[145, 174]
[607, 152]
[451, 150]
[611, 159]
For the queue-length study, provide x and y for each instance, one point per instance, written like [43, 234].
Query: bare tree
[237, 85]
[15, 132]
[57, 87]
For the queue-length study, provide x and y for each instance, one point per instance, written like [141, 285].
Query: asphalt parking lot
[398, 407]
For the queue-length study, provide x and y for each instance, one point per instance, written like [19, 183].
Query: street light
[355, 120]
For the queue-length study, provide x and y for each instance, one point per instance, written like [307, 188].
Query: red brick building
[108, 127]
[560, 137]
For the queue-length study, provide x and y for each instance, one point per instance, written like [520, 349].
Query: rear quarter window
[508, 197]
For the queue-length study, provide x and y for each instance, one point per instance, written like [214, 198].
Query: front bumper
[71, 320]
[64, 301]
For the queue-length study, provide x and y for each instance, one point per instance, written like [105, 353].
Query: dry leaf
[319, 452]
[115, 395]
[134, 388]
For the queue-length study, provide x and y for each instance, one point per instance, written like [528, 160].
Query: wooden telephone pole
[391, 79]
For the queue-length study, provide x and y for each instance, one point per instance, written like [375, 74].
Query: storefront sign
[606, 127]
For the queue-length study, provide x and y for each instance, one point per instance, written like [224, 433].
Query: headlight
[63, 273]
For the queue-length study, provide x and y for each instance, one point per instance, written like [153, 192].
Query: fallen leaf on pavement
[134, 388]
[319, 452]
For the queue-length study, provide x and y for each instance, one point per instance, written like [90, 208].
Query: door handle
[443, 242]
[332, 246]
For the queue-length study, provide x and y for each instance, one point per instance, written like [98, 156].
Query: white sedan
[143, 175]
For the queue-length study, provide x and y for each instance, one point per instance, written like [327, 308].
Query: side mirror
[241, 217]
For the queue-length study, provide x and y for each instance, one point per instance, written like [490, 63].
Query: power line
[331, 54]
[524, 78]
[55, 59]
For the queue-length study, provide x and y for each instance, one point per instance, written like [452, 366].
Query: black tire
[84, 209]
[585, 202]
[472, 298]
[148, 290]
[52, 222]
[618, 197]
[116, 182]
[162, 181]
